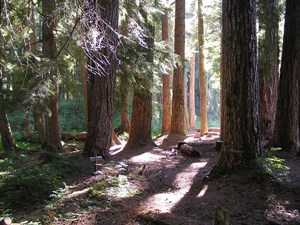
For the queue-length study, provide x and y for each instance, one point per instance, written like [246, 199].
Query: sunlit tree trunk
[268, 65]
[192, 94]
[286, 134]
[50, 52]
[166, 114]
[239, 76]
[140, 131]
[203, 82]
[177, 121]
[101, 75]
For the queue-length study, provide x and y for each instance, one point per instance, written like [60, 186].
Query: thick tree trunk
[286, 134]
[177, 121]
[50, 52]
[192, 94]
[239, 76]
[166, 114]
[102, 76]
[268, 65]
[203, 82]
[140, 131]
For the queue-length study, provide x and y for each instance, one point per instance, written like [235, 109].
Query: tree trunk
[192, 94]
[50, 51]
[85, 94]
[203, 82]
[37, 108]
[124, 88]
[268, 65]
[177, 120]
[101, 75]
[6, 135]
[140, 132]
[286, 134]
[166, 114]
[239, 76]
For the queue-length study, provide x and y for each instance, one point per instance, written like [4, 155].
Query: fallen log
[189, 151]
[80, 136]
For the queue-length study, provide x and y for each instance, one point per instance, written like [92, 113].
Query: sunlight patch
[203, 191]
[147, 157]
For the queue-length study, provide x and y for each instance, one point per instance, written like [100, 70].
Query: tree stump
[5, 221]
[221, 217]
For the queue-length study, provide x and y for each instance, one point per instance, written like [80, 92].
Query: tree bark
[140, 131]
[239, 76]
[166, 114]
[268, 65]
[177, 120]
[192, 94]
[101, 75]
[6, 135]
[286, 134]
[50, 51]
[203, 82]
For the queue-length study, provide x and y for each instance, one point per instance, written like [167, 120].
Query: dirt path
[161, 186]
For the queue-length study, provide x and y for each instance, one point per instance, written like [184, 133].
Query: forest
[159, 112]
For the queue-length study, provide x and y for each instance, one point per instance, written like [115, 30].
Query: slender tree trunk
[177, 121]
[286, 134]
[6, 135]
[85, 94]
[239, 76]
[192, 94]
[50, 52]
[124, 89]
[203, 82]
[166, 115]
[101, 75]
[268, 65]
[37, 108]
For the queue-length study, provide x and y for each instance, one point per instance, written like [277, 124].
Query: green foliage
[71, 114]
[26, 183]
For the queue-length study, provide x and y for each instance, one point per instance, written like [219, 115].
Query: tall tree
[50, 52]
[192, 93]
[286, 134]
[177, 120]
[203, 82]
[240, 85]
[140, 131]
[6, 135]
[101, 23]
[166, 114]
[268, 16]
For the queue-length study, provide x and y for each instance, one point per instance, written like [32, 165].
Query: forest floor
[159, 185]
